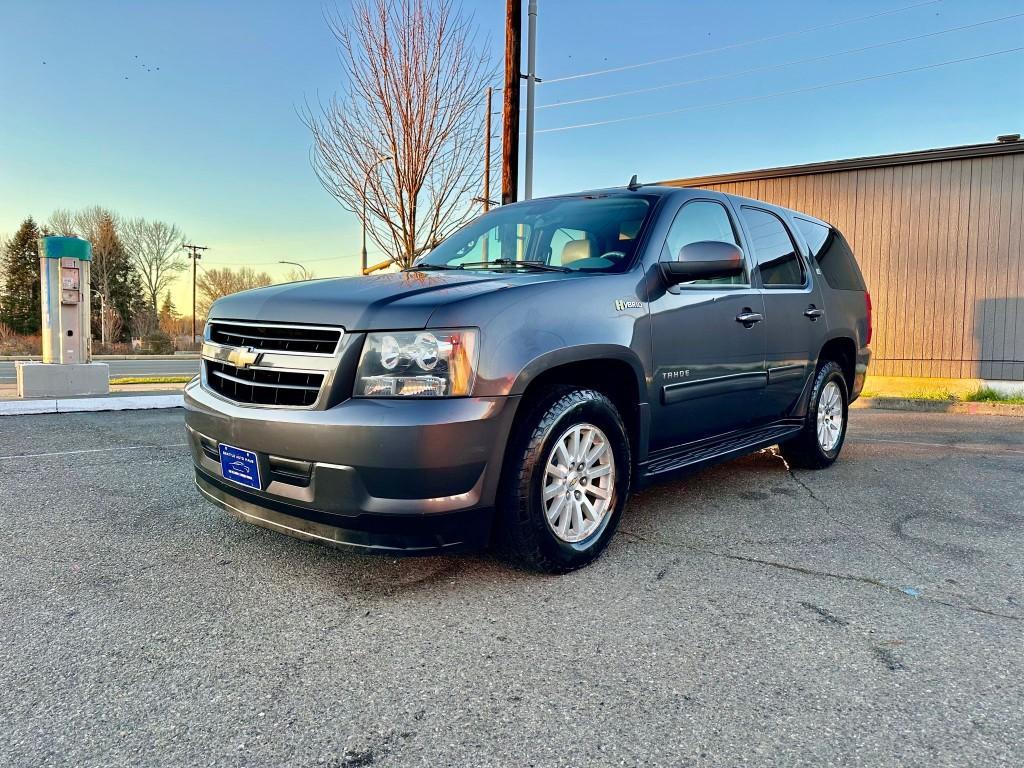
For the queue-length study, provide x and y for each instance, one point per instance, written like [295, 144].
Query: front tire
[566, 481]
[818, 444]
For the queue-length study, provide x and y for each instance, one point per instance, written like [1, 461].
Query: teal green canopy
[65, 248]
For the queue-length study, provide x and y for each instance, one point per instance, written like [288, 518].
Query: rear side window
[832, 254]
[777, 259]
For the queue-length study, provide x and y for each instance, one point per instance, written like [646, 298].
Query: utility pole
[510, 105]
[487, 152]
[531, 81]
[195, 256]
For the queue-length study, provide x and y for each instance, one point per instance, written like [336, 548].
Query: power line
[769, 67]
[733, 46]
[781, 93]
[276, 261]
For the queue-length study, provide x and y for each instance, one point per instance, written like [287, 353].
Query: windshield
[592, 234]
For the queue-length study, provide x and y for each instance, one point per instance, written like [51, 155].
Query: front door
[794, 314]
[709, 341]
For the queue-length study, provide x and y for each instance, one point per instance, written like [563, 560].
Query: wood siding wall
[940, 245]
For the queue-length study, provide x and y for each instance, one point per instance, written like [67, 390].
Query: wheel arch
[615, 372]
[842, 350]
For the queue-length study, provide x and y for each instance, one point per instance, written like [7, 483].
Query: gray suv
[524, 375]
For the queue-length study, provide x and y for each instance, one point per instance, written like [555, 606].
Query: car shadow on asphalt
[671, 505]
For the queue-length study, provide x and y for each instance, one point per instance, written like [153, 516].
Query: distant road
[186, 367]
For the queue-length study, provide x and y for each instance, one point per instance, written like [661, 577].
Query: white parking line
[92, 450]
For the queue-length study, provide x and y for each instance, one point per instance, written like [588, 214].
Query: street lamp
[366, 180]
[305, 272]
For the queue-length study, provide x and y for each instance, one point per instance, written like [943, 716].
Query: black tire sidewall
[828, 373]
[597, 410]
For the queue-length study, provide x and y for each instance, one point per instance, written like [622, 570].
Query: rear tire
[566, 481]
[818, 444]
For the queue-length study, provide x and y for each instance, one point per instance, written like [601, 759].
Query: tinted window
[832, 254]
[698, 221]
[773, 248]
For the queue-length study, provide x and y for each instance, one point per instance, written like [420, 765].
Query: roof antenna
[633, 184]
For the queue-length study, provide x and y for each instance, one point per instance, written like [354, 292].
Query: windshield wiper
[538, 265]
[429, 267]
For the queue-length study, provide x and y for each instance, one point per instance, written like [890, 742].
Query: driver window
[701, 220]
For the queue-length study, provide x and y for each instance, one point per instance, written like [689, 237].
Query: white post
[531, 79]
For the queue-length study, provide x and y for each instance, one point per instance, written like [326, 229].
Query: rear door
[709, 373]
[794, 313]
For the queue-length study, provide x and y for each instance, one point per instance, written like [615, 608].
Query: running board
[718, 448]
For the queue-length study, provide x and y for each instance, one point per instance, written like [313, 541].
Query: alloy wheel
[579, 482]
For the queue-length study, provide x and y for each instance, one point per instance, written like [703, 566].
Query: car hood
[377, 302]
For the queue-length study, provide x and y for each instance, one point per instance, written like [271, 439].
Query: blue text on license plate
[240, 465]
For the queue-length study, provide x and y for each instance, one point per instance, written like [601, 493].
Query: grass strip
[151, 380]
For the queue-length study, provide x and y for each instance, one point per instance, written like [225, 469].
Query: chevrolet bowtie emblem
[243, 357]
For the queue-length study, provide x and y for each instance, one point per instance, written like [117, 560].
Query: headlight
[418, 364]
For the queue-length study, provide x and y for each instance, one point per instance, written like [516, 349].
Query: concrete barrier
[86, 404]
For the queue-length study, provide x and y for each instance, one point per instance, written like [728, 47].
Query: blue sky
[211, 140]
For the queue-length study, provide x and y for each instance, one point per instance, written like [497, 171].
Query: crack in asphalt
[838, 521]
[813, 572]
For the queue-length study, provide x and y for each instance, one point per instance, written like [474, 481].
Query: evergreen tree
[167, 309]
[19, 264]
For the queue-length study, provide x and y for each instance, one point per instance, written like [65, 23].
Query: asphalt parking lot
[865, 615]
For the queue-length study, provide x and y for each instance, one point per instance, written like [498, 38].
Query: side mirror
[704, 260]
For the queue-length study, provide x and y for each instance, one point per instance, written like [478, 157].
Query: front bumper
[394, 475]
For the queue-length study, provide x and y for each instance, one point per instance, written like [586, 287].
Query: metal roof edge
[962, 152]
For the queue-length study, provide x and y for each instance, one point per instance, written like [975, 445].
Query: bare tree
[112, 322]
[154, 247]
[408, 126]
[62, 223]
[212, 284]
[296, 275]
[99, 226]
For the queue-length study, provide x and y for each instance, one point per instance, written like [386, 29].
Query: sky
[187, 111]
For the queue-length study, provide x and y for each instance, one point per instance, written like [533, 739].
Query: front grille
[275, 338]
[263, 386]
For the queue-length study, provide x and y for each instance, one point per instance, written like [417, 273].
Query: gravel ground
[869, 614]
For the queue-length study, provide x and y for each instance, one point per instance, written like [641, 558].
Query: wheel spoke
[555, 509]
[599, 471]
[553, 490]
[588, 441]
[598, 491]
[588, 508]
[563, 526]
[557, 470]
[596, 453]
[577, 518]
[562, 453]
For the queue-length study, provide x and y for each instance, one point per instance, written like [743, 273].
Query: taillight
[867, 302]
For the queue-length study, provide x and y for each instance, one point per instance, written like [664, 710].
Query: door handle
[813, 313]
[748, 318]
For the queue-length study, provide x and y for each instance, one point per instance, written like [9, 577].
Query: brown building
[939, 237]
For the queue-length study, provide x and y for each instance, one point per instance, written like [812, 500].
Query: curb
[86, 404]
[939, 406]
[101, 358]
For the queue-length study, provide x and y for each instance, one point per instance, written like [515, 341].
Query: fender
[579, 354]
